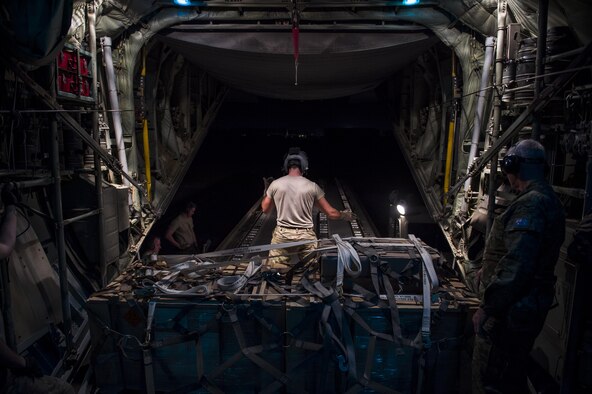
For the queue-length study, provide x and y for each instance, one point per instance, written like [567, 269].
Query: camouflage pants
[285, 258]
[500, 358]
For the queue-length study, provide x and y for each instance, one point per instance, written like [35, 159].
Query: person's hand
[348, 215]
[31, 369]
[478, 319]
[266, 182]
[9, 194]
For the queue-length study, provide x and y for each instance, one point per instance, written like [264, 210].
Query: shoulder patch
[521, 223]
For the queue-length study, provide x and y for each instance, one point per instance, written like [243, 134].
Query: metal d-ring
[228, 307]
[286, 338]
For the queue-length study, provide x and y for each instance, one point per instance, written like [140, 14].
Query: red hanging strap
[295, 36]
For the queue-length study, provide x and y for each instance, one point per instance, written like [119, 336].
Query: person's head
[295, 158]
[154, 244]
[524, 162]
[190, 208]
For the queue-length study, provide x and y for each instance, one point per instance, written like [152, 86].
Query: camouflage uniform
[518, 287]
[281, 258]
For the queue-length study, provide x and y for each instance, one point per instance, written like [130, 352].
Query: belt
[296, 228]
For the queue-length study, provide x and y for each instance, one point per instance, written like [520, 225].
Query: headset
[511, 163]
[296, 157]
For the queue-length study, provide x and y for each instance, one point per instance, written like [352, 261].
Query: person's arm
[513, 272]
[169, 234]
[267, 204]
[328, 209]
[333, 213]
[193, 235]
[8, 232]
[522, 238]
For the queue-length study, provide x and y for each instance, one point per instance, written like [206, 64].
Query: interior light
[410, 2]
[401, 209]
[182, 2]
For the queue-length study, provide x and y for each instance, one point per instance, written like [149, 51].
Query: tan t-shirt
[294, 198]
[182, 227]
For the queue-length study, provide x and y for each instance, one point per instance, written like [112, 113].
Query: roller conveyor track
[256, 228]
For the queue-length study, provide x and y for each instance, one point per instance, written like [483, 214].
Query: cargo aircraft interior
[115, 114]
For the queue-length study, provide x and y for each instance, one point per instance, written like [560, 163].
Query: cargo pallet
[271, 336]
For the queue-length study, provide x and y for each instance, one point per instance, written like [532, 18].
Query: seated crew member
[180, 232]
[153, 246]
[294, 197]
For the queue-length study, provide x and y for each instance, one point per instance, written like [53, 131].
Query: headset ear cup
[515, 165]
[511, 164]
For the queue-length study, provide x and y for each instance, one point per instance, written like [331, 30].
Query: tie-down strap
[430, 282]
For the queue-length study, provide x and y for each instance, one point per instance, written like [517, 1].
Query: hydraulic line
[97, 137]
[502, 11]
[451, 130]
[478, 122]
[145, 128]
[114, 101]
[449, 146]
[147, 158]
[69, 121]
[540, 62]
[539, 102]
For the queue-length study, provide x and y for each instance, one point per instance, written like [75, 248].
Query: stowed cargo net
[200, 323]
